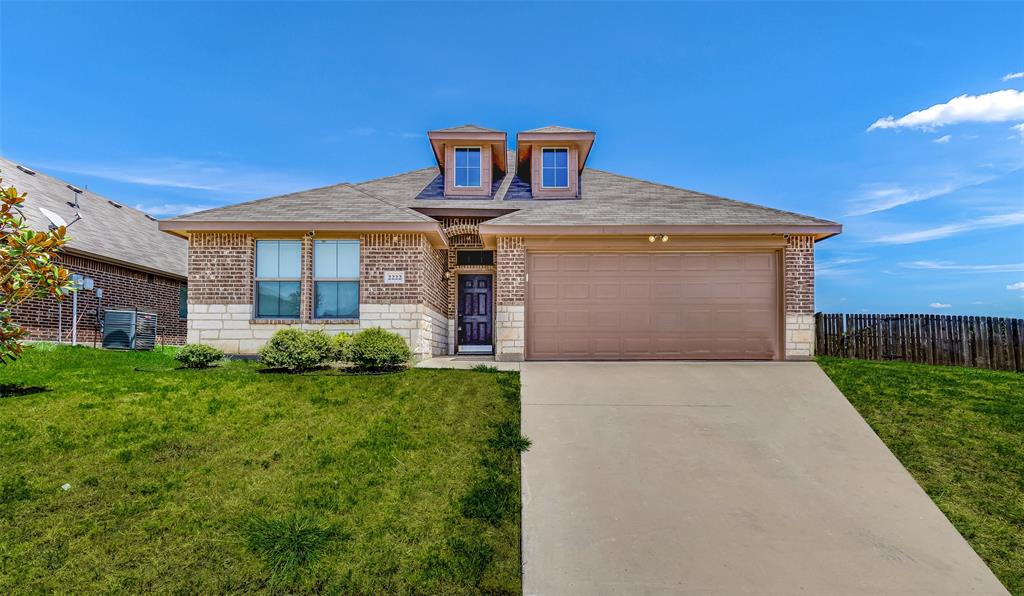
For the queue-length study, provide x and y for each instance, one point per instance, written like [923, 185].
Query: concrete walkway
[721, 478]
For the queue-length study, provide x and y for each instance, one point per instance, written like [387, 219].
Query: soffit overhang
[432, 230]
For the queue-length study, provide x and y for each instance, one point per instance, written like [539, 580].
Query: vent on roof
[150, 217]
[75, 189]
[118, 205]
[26, 170]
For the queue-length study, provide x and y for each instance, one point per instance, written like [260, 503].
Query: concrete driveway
[721, 478]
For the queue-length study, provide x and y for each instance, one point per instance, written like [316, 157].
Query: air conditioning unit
[129, 330]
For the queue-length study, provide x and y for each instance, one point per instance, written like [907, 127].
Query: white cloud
[168, 209]
[882, 197]
[979, 302]
[998, 106]
[837, 266]
[989, 221]
[1013, 75]
[943, 139]
[1017, 286]
[940, 305]
[951, 266]
[224, 179]
[1019, 129]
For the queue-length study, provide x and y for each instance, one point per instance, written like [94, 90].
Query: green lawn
[960, 432]
[233, 480]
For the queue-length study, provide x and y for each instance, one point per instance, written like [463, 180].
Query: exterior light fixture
[664, 238]
[447, 274]
[650, 238]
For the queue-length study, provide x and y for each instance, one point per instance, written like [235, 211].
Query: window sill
[334, 321]
[274, 321]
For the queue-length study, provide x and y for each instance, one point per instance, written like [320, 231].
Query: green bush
[342, 347]
[198, 356]
[375, 349]
[296, 350]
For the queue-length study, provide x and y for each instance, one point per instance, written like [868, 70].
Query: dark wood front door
[475, 310]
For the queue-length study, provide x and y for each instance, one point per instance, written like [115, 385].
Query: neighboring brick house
[524, 254]
[121, 249]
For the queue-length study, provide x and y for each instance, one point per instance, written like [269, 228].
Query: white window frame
[542, 168]
[359, 258]
[257, 279]
[455, 167]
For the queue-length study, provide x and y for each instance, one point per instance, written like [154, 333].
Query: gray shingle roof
[338, 203]
[606, 199]
[124, 234]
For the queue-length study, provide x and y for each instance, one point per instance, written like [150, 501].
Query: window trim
[567, 168]
[357, 279]
[455, 167]
[256, 279]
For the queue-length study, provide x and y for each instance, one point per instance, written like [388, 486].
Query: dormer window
[467, 167]
[555, 167]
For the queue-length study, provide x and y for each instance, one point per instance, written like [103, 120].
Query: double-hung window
[336, 279]
[555, 166]
[278, 276]
[467, 166]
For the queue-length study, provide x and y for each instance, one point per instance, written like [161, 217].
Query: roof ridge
[719, 197]
[388, 203]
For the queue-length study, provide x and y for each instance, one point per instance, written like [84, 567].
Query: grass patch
[960, 433]
[227, 480]
[486, 368]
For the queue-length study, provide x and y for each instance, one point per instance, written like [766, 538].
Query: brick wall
[220, 268]
[799, 290]
[123, 288]
[221, 314]
[510, 260]
[800, 275]
[510, 314]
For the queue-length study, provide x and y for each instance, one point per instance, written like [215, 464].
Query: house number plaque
[394, 277]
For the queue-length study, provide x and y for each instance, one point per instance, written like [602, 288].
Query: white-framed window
[336, 279]
[467, 166]
[554, 167]
[278, 278]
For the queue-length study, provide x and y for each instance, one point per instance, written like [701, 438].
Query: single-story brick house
[524, 253]
[133, 265]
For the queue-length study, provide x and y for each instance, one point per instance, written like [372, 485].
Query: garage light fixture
[656, 237]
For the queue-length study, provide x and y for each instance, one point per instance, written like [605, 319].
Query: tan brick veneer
[799, 295]
[510, 314]
[221, 305]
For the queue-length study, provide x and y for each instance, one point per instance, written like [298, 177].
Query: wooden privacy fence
[981, 342]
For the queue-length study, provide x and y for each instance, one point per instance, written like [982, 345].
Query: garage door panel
[652, 306]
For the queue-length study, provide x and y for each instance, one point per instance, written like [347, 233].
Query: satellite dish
[56, 221]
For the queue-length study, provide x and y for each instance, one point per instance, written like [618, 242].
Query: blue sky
[178, 106]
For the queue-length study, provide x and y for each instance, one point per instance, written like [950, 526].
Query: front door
[474, 312]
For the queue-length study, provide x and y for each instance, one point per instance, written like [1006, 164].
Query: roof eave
[185, 227]
[122, 263]
[819, 231]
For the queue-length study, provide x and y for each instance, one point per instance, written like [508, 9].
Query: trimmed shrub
[296, 350]
[375, 349]
[342, 347]
[198, 356]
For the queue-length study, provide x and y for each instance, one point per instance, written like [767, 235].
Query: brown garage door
[622, 306]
